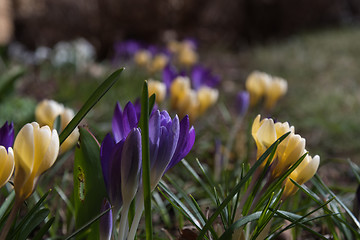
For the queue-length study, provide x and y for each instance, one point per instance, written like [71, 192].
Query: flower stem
[123, 221]
[139, 206]
[11, 218]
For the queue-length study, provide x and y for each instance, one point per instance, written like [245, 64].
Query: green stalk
[144, 125]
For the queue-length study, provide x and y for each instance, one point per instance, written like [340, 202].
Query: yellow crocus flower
[142, 57]
[256, 84]
[158, 88]
[187, 56]
[35, 151]
[207, 97]
[287, 153]
[6, 165]
[46, 113]
[303, 173]
[158, 62]
[178, 90]
[264, 134]
[274, 91]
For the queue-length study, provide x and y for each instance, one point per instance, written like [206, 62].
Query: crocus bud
[158, 88]
[7, 135]
[287, 153]
[303, 173]
[35, 151]
[207, 97]
[130, 165]
[47, 111]
[6, 165]
[256, 84]
[264, 134]
[275, 90]
[242, 102]
[142, 57]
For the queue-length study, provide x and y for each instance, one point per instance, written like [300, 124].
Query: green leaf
[32, 223]
[6, 204]
[93, 99]
[89, 186]
[239, 223]
[86, 226]
[238, 187]
[44, 229]
[8, 80]
[151, 103]
[144, 125]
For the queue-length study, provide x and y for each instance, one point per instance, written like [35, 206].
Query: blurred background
[313, 44]
[233, 24]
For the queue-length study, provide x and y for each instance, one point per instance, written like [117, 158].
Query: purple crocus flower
[7, 135]
[124, 121]
[126, 48]
[201, 76]
[242, 102]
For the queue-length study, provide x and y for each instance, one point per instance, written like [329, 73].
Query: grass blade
[93, 99]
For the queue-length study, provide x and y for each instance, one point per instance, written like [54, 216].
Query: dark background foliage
[235, 23]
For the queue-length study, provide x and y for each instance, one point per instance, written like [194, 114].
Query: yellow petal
[51, 153]
[47, 111]
[7, 165]
[158, 88]
[207, 97]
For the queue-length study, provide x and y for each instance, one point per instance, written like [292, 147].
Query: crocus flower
[158, 88]
[142, 57]
[126, 49]
[6, 165]
[158, 62]
[275, 90]
[207, 97]
[303, 173]
[7, 135]
[242, 102]
[256, 84]
[287, 153]
[266, 132]
[46, 113]
[35, 151]
[170, 141]
[201, 76]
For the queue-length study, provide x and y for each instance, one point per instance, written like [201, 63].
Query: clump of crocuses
[194, 94]
[170, 141]
[262, 85]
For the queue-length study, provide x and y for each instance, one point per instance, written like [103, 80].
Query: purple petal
[124, 121]
[7, 135]
[168, 142]
[242, 102]
[115, 176]
[185, 143]
[117, 128]
[106, 223]
[131, 165]
[106, 149]
[130, 119]
[168, 75]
